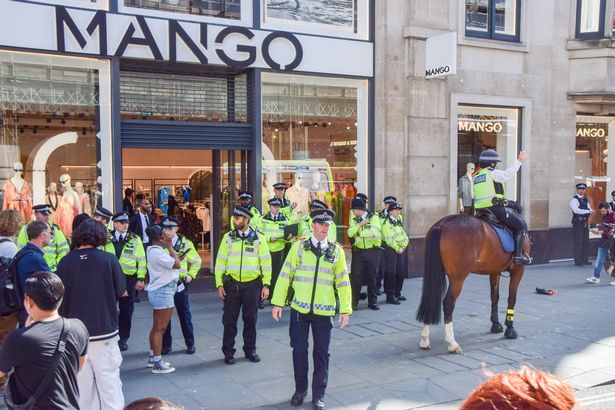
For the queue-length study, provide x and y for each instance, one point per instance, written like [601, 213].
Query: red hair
[525, 388]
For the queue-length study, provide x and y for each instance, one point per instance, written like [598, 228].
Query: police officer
[488, 186]
[287, 208]
[57, 248]
[245, 200]
[190, 265]
[365, 229]
[243, 276]
[128, 248]
[274, 223]
[395, 243]
[102, 215]
[612, 203]
[383, 213]
[305, 226]
[314, 269]
[581, 210]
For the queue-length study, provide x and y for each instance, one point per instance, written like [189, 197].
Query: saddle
[505, 235]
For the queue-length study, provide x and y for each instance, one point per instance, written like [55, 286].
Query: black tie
[146, 220]
[122, 237]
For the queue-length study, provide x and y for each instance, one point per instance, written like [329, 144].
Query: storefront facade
[191, 100]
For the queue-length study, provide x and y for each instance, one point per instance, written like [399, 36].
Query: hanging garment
[65, 213]
[84, 200]
[163, 198]
[20, 201]
[187, 194]
[203, 214]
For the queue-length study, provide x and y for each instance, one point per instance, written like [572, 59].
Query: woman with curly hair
[10, 222]
[526, 388]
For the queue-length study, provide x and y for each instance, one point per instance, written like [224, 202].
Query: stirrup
[524, 259]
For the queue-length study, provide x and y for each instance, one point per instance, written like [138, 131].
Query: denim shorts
[162, 298]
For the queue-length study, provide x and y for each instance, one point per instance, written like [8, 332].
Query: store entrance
[198, 187]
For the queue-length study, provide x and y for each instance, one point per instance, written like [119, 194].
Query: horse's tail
[434, 280]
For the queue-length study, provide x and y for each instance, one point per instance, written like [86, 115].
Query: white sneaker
[593, 279]
[162, 367]
[150, 362]
[612, 283]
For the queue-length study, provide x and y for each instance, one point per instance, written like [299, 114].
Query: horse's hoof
[497, 328]
[510, 333]
[424, 345]
[455, 349]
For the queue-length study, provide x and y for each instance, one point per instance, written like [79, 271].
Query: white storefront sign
[100, 33]
[441, 55]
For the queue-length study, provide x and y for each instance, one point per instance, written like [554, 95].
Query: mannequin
[84, 198]
[52, 195]
[300, 195]
[18, 194]
[465, 193]
[68, 206]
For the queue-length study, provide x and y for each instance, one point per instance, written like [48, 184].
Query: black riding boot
[519, 257]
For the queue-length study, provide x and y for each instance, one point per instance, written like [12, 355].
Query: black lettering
[147, 40]
[176, 30]
[251, 50]
[99, 21]
[293, 40]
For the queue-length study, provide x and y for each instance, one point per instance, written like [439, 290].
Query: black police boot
[519, 257]
[297, 399]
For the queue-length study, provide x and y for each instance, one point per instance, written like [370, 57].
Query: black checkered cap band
[241, 212]
[581, 186]
[323, 216]
[245, 195]
[120, 217]
[274, 202]
[103, 212]
[318, 204]
[389, 199]
[41, 208]
[279, 185]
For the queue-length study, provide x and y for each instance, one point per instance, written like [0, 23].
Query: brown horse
[455, 246]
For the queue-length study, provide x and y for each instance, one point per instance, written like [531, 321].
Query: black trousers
[244, 297]
[365, 264]
[277, 260]
[510, 217]
[394, 273]
[580, 239]
[382, 268]
[299, 340]
[127, 308]
[182, 306]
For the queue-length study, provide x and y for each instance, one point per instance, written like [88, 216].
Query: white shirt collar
[324, 244]
[174, 240]
[118, 234]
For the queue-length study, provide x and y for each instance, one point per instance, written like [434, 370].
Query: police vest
[132, 254]
[312, 276]
[243, 259]
[367, 236]
[305, 229]
[52, 253]
[190, 261]
[394, 234]
[485, 189]
[255, 223]
[583, 204]
[274, 229]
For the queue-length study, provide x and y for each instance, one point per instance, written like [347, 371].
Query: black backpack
[10, 296]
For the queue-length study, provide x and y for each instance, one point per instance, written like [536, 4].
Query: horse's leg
[424, 343]
[494, 281]
[516, 273]
[452, 294]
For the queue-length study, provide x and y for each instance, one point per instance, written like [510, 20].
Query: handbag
[57, 354]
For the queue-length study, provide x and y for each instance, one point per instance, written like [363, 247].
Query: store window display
[315, 140]
[50, 117]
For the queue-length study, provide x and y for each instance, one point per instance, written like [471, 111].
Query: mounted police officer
[581, 211]
[128, 248]
[273, 224]
[365, 230]
[189, 268]
[57, 248]
[243, 276]
[313, 271]
[489, 193]
[305, 226]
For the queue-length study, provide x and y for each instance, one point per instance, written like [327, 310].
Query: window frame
[490, 34]
[589, 34]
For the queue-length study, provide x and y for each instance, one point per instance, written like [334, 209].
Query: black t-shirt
[29, 351]
[93, 282]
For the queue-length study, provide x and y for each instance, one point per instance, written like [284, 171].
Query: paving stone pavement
[376, 362]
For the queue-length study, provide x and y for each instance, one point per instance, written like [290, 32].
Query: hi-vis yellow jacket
[52, 253]
[132, 258]
[243, 258]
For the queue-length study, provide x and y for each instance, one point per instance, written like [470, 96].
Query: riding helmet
[489, 155]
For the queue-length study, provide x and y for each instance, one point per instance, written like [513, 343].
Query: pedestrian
[314, 271]
[525, 388]
[103, 215]
[93, 282]
[383, 214]
[243, 277]
[31, 259]
[365, 229]
[46, 355]
[141, 220]
[189, 268]
[245, 201]
[57, 248]
[612, 203]
[164, 270]
[128, 249]
[127, 202]
[581, 210]
[274, 223]
[395, 243]
[606, 242]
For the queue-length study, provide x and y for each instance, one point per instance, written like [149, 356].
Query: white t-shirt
[160, 268]
[8, 249]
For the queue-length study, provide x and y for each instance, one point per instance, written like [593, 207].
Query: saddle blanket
[506, 238]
